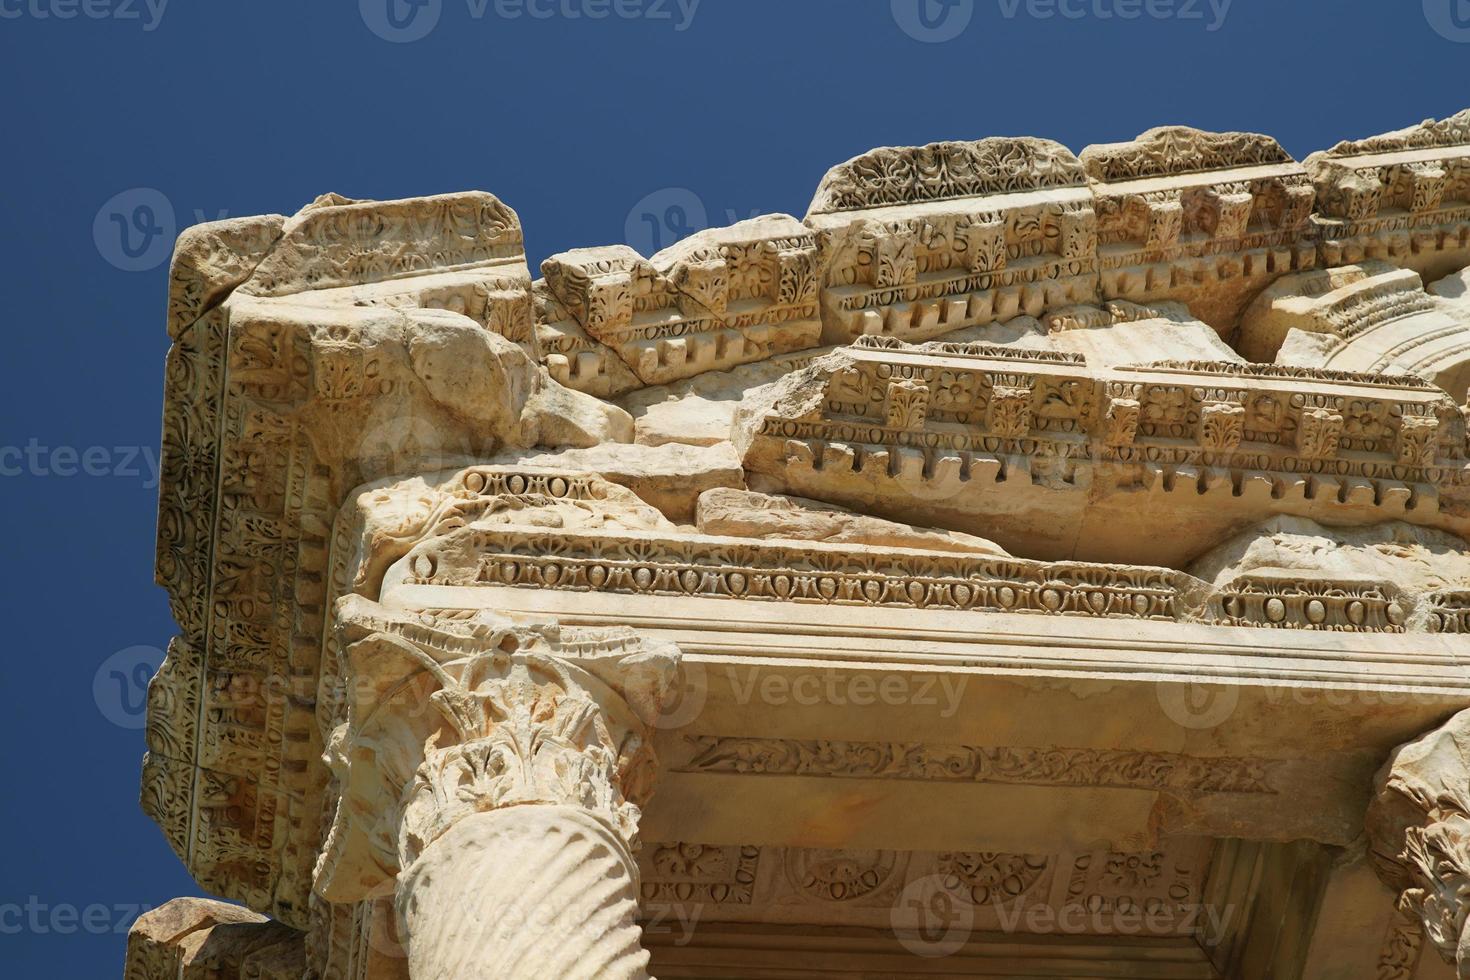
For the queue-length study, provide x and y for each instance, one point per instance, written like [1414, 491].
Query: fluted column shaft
[539, 891]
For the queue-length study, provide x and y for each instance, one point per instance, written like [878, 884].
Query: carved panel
[1157, 893]
[1023, 766]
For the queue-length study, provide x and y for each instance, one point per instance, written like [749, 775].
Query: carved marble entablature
[978, 398]
[920, 242]
[402, 348]
[1403, 196]
[752, 268]
[1418, 828]
[338, 243]
[1170, 151]
[488, 530]
[1183, 213]
[571, 356]
[652, 564]
[945, 172]
[1008, 428]
[1373, 318]
[339, 355]
[720, 299]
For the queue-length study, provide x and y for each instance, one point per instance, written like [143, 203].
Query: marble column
[492, 776]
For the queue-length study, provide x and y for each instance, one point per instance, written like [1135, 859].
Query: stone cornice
[889, 427]
[947, 171]
[355, 340]
[955, 401]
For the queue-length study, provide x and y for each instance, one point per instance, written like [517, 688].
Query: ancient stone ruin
[1029, 563]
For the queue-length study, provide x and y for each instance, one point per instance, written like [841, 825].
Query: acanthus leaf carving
[1419, 834]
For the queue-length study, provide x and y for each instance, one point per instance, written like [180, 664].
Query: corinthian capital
[450, 719]
[1419, 831]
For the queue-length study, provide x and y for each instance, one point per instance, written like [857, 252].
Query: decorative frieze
[891, 176]
[1155, 893]
[1008, 424]
[1075, 767]
[651, 564]
[1403, 197]
[1183, 213]
[699, 874]
[1450, 612]
[718, 300]
[398, 346]
[919, 242]
[455, 546]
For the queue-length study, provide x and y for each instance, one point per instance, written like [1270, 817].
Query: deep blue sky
[258, 106]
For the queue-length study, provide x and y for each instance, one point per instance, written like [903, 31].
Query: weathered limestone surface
[1419, 826]
[1049, 457]
[196, 938]
[465, 745]
[1071, 535]
[669, 476]
[1371, 318]
[756, 515]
